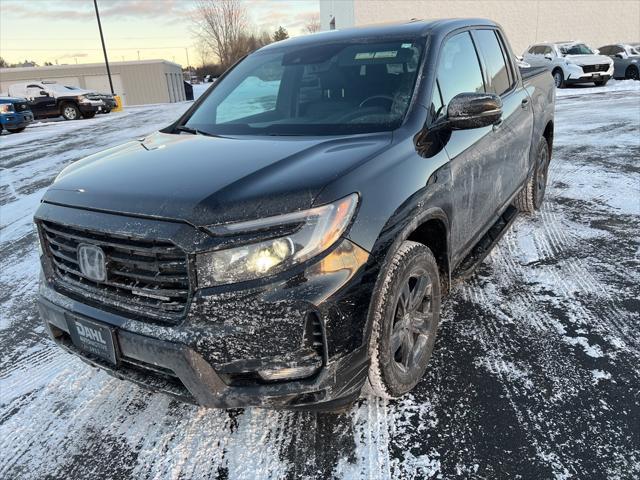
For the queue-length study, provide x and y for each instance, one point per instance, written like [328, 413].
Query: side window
[548, 50]
[495, 64]
[537, 50]
[459, 69]
[614, 50]
[606, 51]
[256, 94]
[33, 91]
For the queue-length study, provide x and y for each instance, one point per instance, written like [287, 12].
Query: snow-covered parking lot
[536, 372]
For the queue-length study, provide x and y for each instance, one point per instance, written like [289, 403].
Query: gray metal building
[137, 83]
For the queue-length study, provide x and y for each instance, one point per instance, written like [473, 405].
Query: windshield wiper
[193, 131]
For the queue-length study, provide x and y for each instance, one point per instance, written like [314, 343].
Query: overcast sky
[66, 30]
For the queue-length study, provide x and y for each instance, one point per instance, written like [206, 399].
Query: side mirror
[619, 55]
[473, 110]
[596, 51]
[43, 93]
[548, 56]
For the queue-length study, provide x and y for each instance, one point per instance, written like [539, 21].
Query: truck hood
[588, 59]
[208, 180]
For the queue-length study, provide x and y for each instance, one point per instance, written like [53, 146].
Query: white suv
[570, 62]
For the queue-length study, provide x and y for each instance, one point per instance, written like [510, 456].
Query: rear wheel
[15, 130]
[404, 314]
[632, 73]
[531, 196]
[558, 78]
[70, 111]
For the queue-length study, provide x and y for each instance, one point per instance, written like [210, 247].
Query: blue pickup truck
[15, 114]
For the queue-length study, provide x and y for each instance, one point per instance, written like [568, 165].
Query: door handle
[525, 103]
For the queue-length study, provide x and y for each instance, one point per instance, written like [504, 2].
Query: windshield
[577, 49]
[633, 50]
[329, 89]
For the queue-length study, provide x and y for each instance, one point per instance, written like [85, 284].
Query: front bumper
[577, 75]
[180, 371]
[16, 120]
[228, 335]
[91, 107]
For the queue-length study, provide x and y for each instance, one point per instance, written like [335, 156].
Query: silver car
[626, 59]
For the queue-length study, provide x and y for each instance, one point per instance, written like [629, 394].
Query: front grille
[148, 278]
[603, 67]
[20, 106]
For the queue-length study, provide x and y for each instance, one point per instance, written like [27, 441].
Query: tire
[631, 73]
[69, 111]
[601, 83]
[531, 196]
[558, 78]
[402, 338]
[15, 130]
[89, 115]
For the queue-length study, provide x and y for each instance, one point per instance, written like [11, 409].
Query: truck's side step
[486, 244]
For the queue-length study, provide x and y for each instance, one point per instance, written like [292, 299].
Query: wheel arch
[548, 135]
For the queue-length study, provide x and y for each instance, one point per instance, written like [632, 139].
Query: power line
[84, 49]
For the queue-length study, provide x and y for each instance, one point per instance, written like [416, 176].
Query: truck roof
[414, 28]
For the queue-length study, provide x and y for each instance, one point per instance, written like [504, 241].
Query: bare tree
[203, 50]
[313, 23]
[222, 24]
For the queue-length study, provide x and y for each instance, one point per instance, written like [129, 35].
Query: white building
[137, 83]
[525, 21]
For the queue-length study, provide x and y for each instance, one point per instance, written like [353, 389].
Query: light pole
[104, 48]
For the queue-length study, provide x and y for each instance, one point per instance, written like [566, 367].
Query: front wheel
[404, 316]
[15, 130]
[70, 111]
[632, 73]
[558, 78]
[531, 196]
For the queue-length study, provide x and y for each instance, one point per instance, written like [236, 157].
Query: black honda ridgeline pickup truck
[287, 242]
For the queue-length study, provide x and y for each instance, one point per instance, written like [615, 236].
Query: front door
[473, 153]
[41, 105]
[512, 137]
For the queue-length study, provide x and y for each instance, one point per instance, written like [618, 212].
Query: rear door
[512, 137]
[473, 154]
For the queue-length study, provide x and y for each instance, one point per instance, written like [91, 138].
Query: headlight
[83, 99]
[6, 108]
[313, 232]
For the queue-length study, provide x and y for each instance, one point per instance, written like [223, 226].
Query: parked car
[52, 100]
[570, 63]
[626, 59]
[14, 114]
[288, 240]
[108, 99]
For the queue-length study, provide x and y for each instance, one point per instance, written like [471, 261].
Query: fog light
[290, 373]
